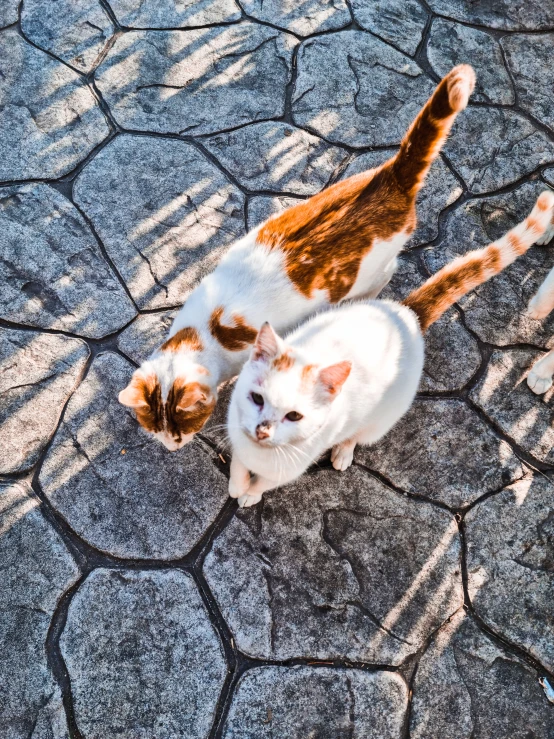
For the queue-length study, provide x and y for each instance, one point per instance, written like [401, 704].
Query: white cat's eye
[257, 398]
[294, 416]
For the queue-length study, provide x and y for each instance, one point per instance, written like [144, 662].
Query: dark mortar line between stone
[291, 86]
[55, 659]
[417, 497]
[420, 56]
[105, 5]
[505, 643]
[514, 107]
[182, 29]
[494, 32]
[102, 104]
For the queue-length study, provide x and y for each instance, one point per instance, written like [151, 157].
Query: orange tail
[456, 279]
[428, 132]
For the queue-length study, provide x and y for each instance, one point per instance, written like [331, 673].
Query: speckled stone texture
[505, 15]
[452, 43]
[49, 118]
[497, 311]
[54, 275]
[170, 230]
[143, 659]
[300, 702]
[304, 18]
[119, 488]
[528, 56]
[354, 89]
[37, 374]
[433, 435]
[319, 571]
[262, 207]
[35, 570]
[175, 81]
[468, 687]
[174, 13]
[276, 157]
[145, 335]
[75, 31]
[400, 22]
[510, 562]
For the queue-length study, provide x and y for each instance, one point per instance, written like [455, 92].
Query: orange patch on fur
[188, 407]
[233, 338]
[283, 362]
[187, 337]
[150, 414]
[516, 243]
[325, 239]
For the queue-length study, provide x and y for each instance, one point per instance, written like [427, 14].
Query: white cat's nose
[263, 430]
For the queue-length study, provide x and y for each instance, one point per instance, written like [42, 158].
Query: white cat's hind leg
[239, 480]
[540, 379]
[342, 454]
[543, 302]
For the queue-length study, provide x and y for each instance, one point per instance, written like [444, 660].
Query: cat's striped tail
[428, 132]
[456, 279]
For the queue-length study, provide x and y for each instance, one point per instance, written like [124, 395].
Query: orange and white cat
[541, 376]
[346, 376]
[341, 243]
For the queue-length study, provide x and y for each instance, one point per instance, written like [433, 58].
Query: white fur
[541, 376]
[251, 281]
[383, 342]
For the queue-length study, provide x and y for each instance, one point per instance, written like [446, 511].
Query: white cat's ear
[333, 378]
[267, 344]
[135, 394]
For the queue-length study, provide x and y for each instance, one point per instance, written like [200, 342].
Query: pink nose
[262, 431]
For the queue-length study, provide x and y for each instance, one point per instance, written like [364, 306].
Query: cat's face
[172, 400]
[281, 398]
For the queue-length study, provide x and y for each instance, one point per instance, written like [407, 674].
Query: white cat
[346, 376]
[541, 376]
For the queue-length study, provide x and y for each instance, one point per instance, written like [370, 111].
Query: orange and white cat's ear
[333, 378]
[267, 345]
[191, 394]
[134, 395]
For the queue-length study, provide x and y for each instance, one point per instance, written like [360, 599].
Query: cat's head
[281, 397]
[171, 393]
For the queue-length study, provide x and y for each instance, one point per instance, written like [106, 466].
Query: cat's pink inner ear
[133, 395]
[266, 345]
[333, 378]
[190, 394]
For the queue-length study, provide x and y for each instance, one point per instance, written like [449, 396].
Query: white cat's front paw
[235, 491]
[342, 456]
[547, 236]
[537, 309]
[245, 501]
[537, 383]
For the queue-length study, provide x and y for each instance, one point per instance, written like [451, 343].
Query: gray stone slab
[164, 213]
[300, 702]
[510, 563]
[440, 189]
[174, 13]
[531, 15]
[528, 56]
[120, 489]
[336, 566]
[261, 207]
[497, 310]
[548, 175]
[469, 687]
[493, 147]
[38, 372]
[427, 453]
[144, 335]
[199, 81]
[503, 394]
[276, 157]
[451, 44]
[452, 355]
[9, 11]
[302, 18]
[49, 118]
[53, 273]
[143, 658]
[76, 31]
[400, 22]
[35, 570]
[354, 89]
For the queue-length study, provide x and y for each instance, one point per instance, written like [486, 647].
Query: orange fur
[233, 338]
[188, 337]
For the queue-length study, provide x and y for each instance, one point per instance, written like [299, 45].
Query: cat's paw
[342, 456]
[547, 236]
[537, 309]
[235, 491]
[245, 501]
[537, 383]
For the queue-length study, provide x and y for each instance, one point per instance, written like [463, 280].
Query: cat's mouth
[259, 442]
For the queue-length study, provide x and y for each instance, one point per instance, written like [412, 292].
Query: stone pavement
[411, 596]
